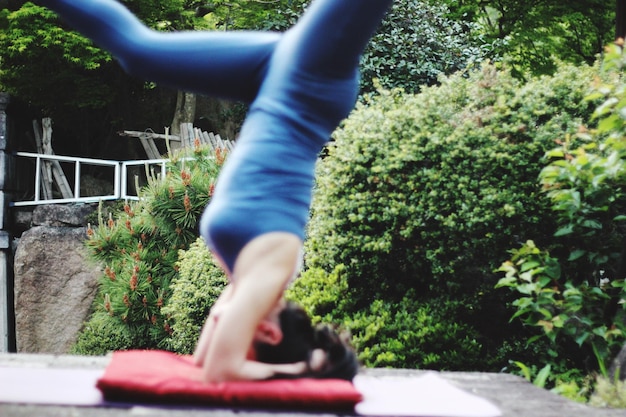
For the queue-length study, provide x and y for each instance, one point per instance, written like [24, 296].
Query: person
[300, 85]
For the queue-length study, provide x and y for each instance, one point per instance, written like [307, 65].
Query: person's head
[299, 339]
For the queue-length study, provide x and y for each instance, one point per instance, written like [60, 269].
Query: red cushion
[165, 377]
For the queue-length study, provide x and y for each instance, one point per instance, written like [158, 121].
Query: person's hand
[317, 361]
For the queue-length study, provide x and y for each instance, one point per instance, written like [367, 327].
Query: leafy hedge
[422, 195]
[401, 334]
[197, 286]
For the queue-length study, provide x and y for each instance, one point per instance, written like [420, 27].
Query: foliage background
[422, 195]
[532, 37]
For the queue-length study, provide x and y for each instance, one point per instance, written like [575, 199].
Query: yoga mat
[427, 395]
[50, 386]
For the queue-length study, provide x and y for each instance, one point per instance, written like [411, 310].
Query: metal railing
[120, 178]
[149, 173]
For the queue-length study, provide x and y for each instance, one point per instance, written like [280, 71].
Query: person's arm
[261, 272]
[207, 330]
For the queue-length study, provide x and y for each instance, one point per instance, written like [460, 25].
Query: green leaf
[529, 265]
[542, 376]
[524, 369]
[563, 231]
[577, 254]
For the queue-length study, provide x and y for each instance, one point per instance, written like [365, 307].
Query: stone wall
[54, 282]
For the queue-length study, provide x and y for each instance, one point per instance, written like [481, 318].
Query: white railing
[149, 173]
[119, 181]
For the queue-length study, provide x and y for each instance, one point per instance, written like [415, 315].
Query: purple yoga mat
[51, 386]
[426, 395]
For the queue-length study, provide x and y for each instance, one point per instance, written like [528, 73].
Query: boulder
[62, 215]
[55, 285]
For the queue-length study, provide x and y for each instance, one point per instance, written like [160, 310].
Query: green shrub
[389, 334]
[609, 393]
[138, 249]
[101, 335]
[423, 194]
[407, 334]
[572, 288]
[322, 294]
[415, 45]
[195, 289]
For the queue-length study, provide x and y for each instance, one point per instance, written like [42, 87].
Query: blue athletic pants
[300, 85]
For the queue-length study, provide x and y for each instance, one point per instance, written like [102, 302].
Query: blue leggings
[299, 84]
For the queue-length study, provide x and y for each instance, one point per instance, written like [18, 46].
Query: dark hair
[301, 338]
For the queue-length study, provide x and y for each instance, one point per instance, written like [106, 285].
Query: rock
[22, 218]
[62, 215]
[55, 285]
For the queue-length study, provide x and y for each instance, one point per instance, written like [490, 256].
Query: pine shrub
[138, 250]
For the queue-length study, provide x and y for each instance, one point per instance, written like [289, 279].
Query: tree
[87, 94]
[620, 19]
[532, 36]
[56, 70]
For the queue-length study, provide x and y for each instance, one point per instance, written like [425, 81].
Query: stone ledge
[513, 395]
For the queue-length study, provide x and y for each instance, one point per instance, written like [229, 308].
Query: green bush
[609, 394]
[138, 249]
[195, 289]
[322, 294]
[406, 334]
[572, 287]
[423, 195]
[389, 334]
[415, 45]
[101, 335]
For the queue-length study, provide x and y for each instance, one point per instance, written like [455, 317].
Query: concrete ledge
[513, 395]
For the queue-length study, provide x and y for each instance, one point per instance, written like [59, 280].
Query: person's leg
[256, 219]
[225, 64]
[331, 36]
[311, 85]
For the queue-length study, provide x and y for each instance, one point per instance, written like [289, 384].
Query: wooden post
[620, 19]
[46, 173]
[149, 146]
[51, 170]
